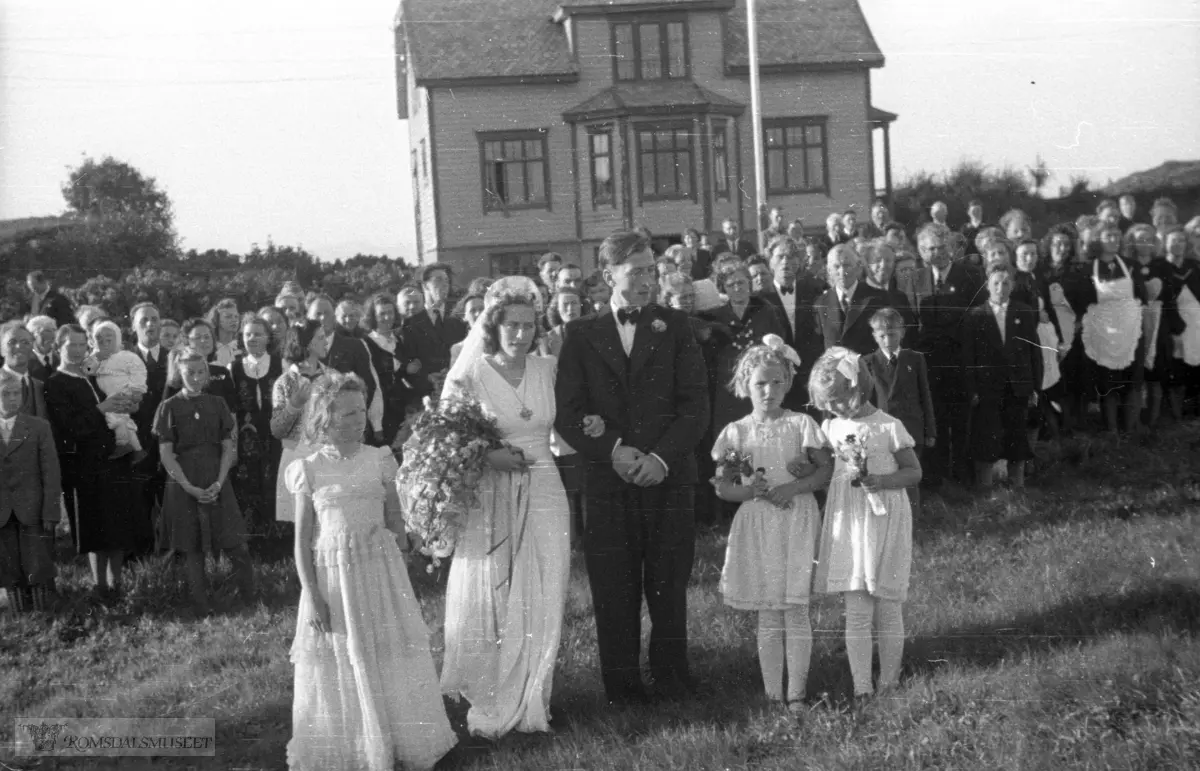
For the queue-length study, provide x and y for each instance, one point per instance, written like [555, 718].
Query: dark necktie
[628, 315]
[27, 405]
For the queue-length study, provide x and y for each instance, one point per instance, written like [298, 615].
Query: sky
[277, 120]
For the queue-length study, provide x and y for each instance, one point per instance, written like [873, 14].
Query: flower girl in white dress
[772, 543]
[366, 693]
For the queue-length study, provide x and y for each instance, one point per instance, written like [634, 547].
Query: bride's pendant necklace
[526, 414]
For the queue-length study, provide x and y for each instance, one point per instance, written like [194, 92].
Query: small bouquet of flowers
[852, 451]
[733, 467]
[444, 458]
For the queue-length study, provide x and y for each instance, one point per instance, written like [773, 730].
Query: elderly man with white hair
[844, 311]
[44, 360]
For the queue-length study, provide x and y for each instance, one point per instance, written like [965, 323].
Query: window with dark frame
[720, 148]
[600, 160]
[514, 264]
[797, 155]
[665, 161]
[514, 171]
[649, 50]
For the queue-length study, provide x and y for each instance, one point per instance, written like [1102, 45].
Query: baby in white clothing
[117, 372]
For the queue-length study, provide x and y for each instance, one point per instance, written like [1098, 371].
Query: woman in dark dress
[254, 374]
[1112, 332]
[198, 335]
[105, 521]
[1069, 289]
[387, 356]
[196, 439]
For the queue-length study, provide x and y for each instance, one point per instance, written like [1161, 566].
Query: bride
[508, 578]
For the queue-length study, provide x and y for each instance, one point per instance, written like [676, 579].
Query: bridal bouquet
[852, 451]
[444, 458]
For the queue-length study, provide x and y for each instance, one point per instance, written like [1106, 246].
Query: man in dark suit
[730, 242]
[44, 360]
[148, 471]
[955, 287]
[703, 258]
[844, 311]
[30, 491]
[16, 345]
[343, 353]
[795, 295]
[640, 368]
[45, 300]
[419, 349]
[1002, 367]
[449, 329]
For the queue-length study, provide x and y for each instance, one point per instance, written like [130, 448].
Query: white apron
[1112, 325]
[1066, 316]
[1048, 339]
[1189, 310]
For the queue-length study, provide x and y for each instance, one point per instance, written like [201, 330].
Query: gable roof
[519, 41]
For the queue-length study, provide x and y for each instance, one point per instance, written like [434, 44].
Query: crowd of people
[858, 353]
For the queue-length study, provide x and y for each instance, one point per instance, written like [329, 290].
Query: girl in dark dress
[195, 432]
[104, 521]
[254, 374]
[198, 335]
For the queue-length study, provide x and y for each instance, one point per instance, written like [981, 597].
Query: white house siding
[418, 129]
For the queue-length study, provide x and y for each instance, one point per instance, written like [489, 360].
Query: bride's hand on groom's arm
[593, 426]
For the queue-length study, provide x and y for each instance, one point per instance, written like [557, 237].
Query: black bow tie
[628, 315]
[786, 290]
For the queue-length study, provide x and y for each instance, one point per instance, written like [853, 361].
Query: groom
[640, 369]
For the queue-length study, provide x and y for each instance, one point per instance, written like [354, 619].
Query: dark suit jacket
[702, 265]
[853, 332]
[902, 391]
[156, 383]
[30, 482]
[804, 335]
[940, 315]
[56, 306]
[420, 341]
[655, 400]
[43, 371]
[447, 332]
[742, 248]
[350, 355]
[38, 407]
[990, 363]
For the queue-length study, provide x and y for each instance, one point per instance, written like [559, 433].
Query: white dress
[366, 694]
[508, 578]
[861, 550]
[769, 557]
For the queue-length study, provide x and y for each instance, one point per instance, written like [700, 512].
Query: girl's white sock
[860, 612]
[889, 625]
[799, 651]
[770, 652]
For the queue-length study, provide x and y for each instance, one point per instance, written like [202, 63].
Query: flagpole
[760, 182]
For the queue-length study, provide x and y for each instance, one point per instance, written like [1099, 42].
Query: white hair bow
[776, 344]
[848, 367]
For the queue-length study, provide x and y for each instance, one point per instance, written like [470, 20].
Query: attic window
[649, 50]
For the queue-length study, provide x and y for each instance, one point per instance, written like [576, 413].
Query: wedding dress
[508, 577]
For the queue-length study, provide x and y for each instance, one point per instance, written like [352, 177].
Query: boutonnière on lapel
[658, 325]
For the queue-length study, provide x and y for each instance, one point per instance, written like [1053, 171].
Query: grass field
[1058, 630]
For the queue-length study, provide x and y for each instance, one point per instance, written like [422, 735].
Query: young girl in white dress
[866, 541]
[769, 558]
[366, 693]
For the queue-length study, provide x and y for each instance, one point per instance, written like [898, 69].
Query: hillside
[1172, 175]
